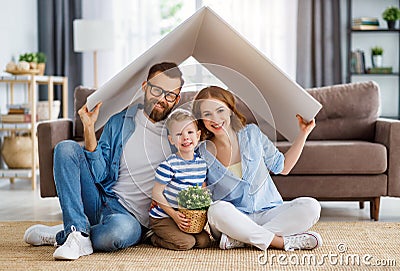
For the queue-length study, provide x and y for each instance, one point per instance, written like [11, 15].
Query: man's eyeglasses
[157, 92]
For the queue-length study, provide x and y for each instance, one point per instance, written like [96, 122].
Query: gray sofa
[351, 154]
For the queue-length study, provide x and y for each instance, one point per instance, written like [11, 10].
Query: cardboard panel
[266, 89]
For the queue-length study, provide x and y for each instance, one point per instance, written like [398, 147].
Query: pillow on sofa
[349, 111]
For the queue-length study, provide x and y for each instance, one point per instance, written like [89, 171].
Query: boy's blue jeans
[84, 206]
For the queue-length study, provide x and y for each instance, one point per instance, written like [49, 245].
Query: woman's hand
[181, 220]
[305, 127]
[293, 154]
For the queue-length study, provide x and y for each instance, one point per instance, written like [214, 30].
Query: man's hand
[181, 220]
[89, 117]
[305, 127]
[88, 120]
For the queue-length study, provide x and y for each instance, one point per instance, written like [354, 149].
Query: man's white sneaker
[75, 246]
[38, 235]
[306, 240]
[229, 243]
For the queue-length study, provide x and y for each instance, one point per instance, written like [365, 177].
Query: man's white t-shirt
[145, 150]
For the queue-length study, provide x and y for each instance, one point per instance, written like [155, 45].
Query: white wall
[18, 28]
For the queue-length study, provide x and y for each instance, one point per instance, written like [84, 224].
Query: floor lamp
[93, 36]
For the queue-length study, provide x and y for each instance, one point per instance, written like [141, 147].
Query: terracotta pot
[17, 151]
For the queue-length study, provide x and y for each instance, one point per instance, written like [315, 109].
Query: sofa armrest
[49, 134]
[388, 133]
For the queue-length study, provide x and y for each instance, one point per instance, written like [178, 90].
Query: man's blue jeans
[84, 206]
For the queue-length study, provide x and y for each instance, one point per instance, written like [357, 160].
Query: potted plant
[391, 15]
[193, 203]
[30, 58]
[377, 58]
[41, 60]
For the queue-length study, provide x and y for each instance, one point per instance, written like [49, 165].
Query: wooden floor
[20, 203]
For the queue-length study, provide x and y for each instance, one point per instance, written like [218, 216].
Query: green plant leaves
[38, 57]
[194, 198]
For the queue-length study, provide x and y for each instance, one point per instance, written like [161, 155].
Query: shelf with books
[17, 121]
[367, 30]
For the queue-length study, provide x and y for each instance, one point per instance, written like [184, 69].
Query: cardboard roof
[209, 39]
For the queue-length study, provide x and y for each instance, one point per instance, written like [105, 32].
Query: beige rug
[347, 246]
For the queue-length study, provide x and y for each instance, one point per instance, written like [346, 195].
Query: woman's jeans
[86, 207]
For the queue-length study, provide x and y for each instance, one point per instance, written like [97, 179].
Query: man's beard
[152, 112]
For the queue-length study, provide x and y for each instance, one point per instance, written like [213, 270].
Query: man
[105, 187]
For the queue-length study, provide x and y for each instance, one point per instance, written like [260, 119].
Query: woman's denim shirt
[255, 191]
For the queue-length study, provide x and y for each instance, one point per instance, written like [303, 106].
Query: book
[10, 118]
[18, 111]
[366, 19]
[365, 23]
[365, 27]
[357, 62]
[18, 106]
[382, 70]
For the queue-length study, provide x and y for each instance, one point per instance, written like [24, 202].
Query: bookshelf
[364, 40]
[7, 83]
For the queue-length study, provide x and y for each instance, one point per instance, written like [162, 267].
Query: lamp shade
[93, 35]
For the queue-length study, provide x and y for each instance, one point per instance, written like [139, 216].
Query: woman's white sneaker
[307, 240]
[39, 235]
[74, 247]
[228, 243]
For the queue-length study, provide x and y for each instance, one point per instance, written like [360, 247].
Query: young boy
[179, 171]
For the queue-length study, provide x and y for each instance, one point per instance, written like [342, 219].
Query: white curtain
[270, 25]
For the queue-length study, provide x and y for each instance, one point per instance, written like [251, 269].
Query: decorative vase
[198, 219]
[391, 24]
[17, 151]
[377, 61]
[41, 67]
[42, 110]
[33, 65]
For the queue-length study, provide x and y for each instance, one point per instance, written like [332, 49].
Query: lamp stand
[95, 69]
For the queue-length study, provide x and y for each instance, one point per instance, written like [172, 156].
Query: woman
[248, 208]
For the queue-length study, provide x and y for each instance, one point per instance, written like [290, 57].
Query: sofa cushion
[349, 111]
[332, 187]
[339, 157]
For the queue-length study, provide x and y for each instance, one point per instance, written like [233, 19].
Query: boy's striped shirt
[178, 174]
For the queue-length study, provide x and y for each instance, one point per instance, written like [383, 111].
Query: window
[269, 25]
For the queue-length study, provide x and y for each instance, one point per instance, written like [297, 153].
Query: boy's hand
[153, 204]
[305, 127]
[181, 220]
